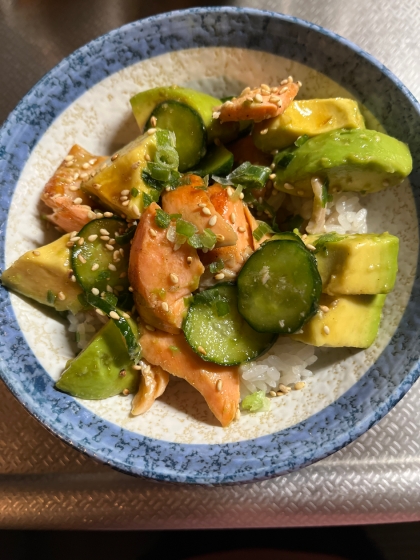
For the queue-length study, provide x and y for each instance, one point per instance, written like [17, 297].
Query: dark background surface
[34, 36]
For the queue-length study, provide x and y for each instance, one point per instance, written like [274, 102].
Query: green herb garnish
[257, 402]
[162, 219]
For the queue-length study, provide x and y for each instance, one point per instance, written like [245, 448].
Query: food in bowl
[257, 252]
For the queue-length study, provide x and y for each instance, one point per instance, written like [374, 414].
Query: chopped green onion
[327, 238]
[51, 297]
[206, 180]
[180, 239]
[104, 275]
[166, 154]
[162, 219]
[301, 140]
[110, 298]
[216, 266]
[185, 228]
[147, 200]
[159, 172]
[207, 296]
[175, 217]
[257, 402]
[150, 182]
[134, 192]
[249, 175]
[325, 197]
[208, 238]
[237, 193]
[284, 161]
[222, 307]
[261, 230]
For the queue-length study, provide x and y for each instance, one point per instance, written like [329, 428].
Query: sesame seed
[104, 231]
[167, 188]
[147, 157]
[201, 350]
[266, 87]
[69, 158]
[136, 164]
[92, 238]
[245, 91]
[290, 79]
[95, 291]
[216, 114]
[61, 296]
[68, 164]
[36, 253]
[153, 120]
[81, 258]
[114, 157]
[73, 278]
[136, 210]
[84, 176]
[125, 203]
[229, 191]
[206, 211]
[283, 90]
[69, 244]
[241, 229]
[264, 131]
[311, 247]
[74, 239]
[91, 215]
[109, 247]
[173, 278]
[125, 192]
[241, 196]
[85, 165]
[114, 315]
[201, 205]
[284, 388]
[283, 82]
[108, 214]
[273, 394]
[109, 289]
[99, 311]
[258, 98]
[299, 385]
[324, 308]
[326, 329]
[136, 367]
[165, 306]
[238, 414]
[112, 267]
[280, 103]
[104, 237]
[152, 232]
[220, 237]
[233, 217]
[272, 176]
[151, 131]
[205, 250]
[219, 385]
[74, 188]
[299, 83]
[212, 221]
[122, 198]
[116, 255]
[99, 215]
[92, 161]
[81, 241]
[189, 260]
[130, 289]
[219, 276]
[288, 186]
[274, 98]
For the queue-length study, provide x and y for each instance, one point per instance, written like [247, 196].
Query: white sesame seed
[229, 191]
[219, 385]
[104, 231]
[81, 241]
[212, 221]
[216, 114]
[99, 311]
[91, 215]
[299, 83]
[284, 89]
[220, 237]
[189, 260]
[109, 289]
[274, 98]
[290, 79]
[152, 232]
[284, 388]
[114, 315]
[280, 103]
[36, 253]
[84, 176]
[177, 246]
[241, 229]
[74, 239]
[122, 198]
[272, 176]
[73, 278]
[69, 244]
[136, 367]
[61, 296]
[125, 192]
[81, 258]
[264, 131]
[151, 131]
[311, 247]
[108, 214]
[201, 205]
[258, 97]
[92, 238]
[130, 289]
[69, 158]
[283, 82]
[136, 210]
[233, 217]
[273, 394]
[153, 120]
[299, 385]
[104, 237]
[86, 165]
[241, 196]
[238, 414]
[95, 291]
[147, 157]
[112, 267]
[125, 203]
[74, 188]
[245, 91]
[219, 276]
[326, 329]
[206, 211]
[300, 193]
[114, 157]
[173, 278]
[205, 250]
[165, 306]
[288, 186]
[99, 215]
[201, 350]
[324, 308]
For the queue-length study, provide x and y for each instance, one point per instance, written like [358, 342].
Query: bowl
[85, 99]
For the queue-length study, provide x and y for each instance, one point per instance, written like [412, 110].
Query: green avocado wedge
[144, 103]
[103, 369]
[356, 160]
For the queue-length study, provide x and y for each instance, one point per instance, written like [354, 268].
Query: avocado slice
[103, 369]
[363, 161]
[307, 117]
[144, 103]
[44, 275]
[359, 263]
[351, 321]
[123, 171]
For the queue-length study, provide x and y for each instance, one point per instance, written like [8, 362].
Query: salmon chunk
[72, 208]
[243, 224]
[196, 207]
[160, 276]
[259, 103]
[173, 354]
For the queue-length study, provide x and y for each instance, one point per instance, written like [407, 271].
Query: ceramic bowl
[85, 100]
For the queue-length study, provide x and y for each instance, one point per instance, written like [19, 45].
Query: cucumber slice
[214, 325]
[218, 161]
[279, 287]
[189, 129]
[288, 235]
[93, 262]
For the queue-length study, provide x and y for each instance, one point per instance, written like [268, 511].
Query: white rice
[285, 363]
[345, 214]
[85, 325]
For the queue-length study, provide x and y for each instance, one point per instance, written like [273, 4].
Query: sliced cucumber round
[100, 262]
[279, 287]
[217, 161]
[189, 129]
[216, 331]
[288, 235]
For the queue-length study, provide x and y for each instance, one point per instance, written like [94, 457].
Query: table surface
[46, 484]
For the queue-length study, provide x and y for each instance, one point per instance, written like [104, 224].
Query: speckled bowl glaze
[85, 100]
